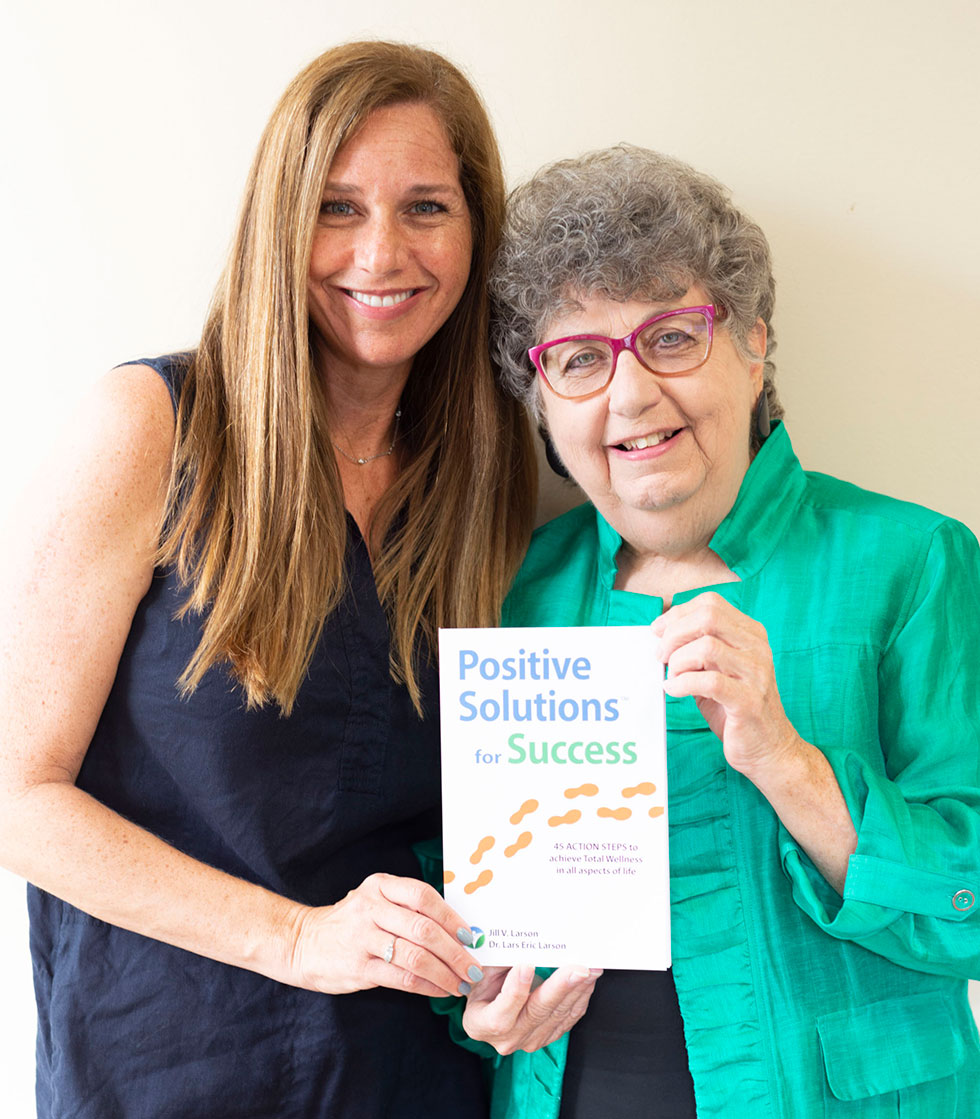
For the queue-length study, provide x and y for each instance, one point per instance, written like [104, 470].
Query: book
[554, 785]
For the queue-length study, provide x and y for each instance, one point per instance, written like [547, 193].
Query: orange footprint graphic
[521, 842]
[569, 818]
[645, 788]
[448, 876]
[525, 809]
[481, 848]
[482, 879]
[656, 812]
[586, 790]
[615, 813]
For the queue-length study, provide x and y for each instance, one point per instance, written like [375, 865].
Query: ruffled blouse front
[709, 941]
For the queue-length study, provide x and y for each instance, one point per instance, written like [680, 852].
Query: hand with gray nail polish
[389, 932]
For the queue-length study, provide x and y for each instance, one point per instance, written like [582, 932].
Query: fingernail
[474, 973]
[526, 973]
[595, 972]
[464, 988]
[464, 936]
[578, 974]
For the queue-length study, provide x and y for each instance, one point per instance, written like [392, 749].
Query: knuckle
[474, 1028]
[497, 1030]
[499, 1026]
[419, 929]
[412, 958]
[504, 1042]
[355, 903]
[418, 894]
[711, 602]
[410, 981]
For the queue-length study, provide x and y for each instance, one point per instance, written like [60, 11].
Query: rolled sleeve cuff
[886, 883]
[883, 882]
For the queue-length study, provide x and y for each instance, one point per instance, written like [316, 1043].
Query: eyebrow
[415, 188]
[665, 307]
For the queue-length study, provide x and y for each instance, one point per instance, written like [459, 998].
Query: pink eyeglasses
[671, 343]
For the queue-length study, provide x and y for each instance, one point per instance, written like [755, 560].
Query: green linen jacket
[798, 1003]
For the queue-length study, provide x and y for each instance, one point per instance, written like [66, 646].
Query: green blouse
[797, 1003]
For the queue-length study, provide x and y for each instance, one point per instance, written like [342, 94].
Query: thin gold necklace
[380, 454]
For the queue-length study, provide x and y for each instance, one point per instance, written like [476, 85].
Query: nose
[633, 388]
[381, 246]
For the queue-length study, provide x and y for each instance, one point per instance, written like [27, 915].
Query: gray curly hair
[624, 222]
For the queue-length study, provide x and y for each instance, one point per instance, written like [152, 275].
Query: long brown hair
[256, 524]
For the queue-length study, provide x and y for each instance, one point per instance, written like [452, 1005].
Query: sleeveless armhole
[172, 368]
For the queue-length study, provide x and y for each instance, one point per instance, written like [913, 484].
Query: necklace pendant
[361, 461]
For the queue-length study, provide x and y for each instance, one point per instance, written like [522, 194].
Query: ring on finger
[389, 951]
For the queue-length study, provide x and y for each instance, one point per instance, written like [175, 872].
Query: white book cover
[554, 786]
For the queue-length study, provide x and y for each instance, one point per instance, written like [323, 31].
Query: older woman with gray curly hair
[823, 733]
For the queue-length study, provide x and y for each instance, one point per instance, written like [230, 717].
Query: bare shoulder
[140, 393]
[78, 558]
[109, 469]
[126, 427]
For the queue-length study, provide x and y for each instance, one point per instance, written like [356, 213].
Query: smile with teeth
[647, 440]
[381, 300]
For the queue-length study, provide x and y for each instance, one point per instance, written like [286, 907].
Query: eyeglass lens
[675, 344]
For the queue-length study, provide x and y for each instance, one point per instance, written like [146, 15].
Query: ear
[756, 342]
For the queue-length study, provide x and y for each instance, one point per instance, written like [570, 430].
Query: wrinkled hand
[341, 948]
[509, 1012]
[722, 658]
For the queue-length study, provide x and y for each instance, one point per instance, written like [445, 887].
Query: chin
[657, 498]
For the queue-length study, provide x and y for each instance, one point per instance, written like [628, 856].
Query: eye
[335, 208]
[674, 336]
[667, 339]
[582, 362]
[428, 206]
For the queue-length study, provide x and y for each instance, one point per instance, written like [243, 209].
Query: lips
[371, 300]
[641, 442]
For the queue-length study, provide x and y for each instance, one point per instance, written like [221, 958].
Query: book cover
[555, 794]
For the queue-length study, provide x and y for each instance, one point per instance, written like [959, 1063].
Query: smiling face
[661, 458]
[392, 245]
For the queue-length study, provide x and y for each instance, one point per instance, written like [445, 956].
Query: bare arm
[722, 658]
[806, 796]
[81, 561]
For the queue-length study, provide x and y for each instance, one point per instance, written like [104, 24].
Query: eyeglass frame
[628, 342]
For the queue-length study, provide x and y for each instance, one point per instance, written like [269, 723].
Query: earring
[762, 422]
[552, 455]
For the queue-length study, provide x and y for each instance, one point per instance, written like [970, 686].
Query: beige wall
[848, 130]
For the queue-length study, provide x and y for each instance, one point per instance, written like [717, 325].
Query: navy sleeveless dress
[130, 1028]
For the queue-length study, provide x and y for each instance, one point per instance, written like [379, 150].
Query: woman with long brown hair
[219, 741]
